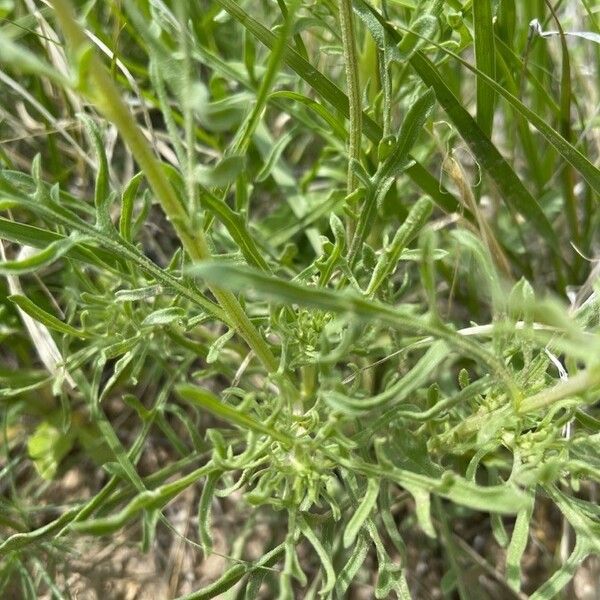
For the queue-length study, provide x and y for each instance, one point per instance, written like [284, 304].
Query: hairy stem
[352, 83]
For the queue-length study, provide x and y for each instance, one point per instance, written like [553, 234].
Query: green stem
[188, 117]
[583, 382]
[108, 99]
[352, 83]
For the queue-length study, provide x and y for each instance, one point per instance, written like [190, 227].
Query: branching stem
[107, 98]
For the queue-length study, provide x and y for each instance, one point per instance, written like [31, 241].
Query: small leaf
[388, 261]
[420, 31]
[222, 174]
[127, 201]
[423, 510]
[164, 316]
[40, 315]
[217, 346]
[339, 232]
[102, 195]
[47, 446]
[204, 512]
[142, 293]
[407, 136]
[275, 154]
[334, 124]
[362, 512]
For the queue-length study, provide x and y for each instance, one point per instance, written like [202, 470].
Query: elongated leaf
[336, 126]
[204, 513]
[37, 261]
[20, 540]
[234, 574]
[310, 535]
[391, 168]
[239, 279]
[36, 237]
[503, 499]
[421, 30]
[138, 294]
[409, 132]
[352, 566]
[553, 586]
[517, 545]
[127, 201]
[164, 316]
[423, 510]
[274, 155]
[397, 392]
[221, 174]
[414, 222]
[207, 401]
[40, 315]
[362, 512]
[147, 500]
[114, 443]
[102, 196]
[236, 227]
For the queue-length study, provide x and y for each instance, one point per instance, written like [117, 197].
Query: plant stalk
[353, 88]
[107, 98]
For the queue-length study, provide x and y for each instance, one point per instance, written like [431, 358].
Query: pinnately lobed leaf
[261, 325]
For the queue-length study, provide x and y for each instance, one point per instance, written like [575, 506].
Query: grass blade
[485, 57]
[508, 183]
[334, 95]
[429, 74]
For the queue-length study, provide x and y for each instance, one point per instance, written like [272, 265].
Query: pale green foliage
[350, 311]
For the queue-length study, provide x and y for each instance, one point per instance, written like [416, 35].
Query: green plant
[312, 301]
